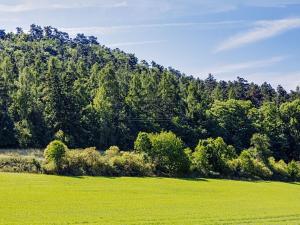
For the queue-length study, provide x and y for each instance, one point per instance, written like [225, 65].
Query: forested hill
[76, 90]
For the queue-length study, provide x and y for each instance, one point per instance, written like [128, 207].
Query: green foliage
[290, 112]
[166, 152]
[293, 169]
[86, 162]
[54, 154]
[143, 143]
[212, 155]
[130, 164]
[232, 120]
[19, 164]
[269, 122]
[249, 166]
[84, 94]
[279, 169]
[261, 146]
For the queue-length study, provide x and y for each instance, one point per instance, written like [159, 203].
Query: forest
[54, 87]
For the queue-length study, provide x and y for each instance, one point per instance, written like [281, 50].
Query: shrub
[212, 155]
[55, 151]
[54, 155]
[261, 145]
[167, 153]
[293, 169]
[130, 164]
[112, 151]
[249, 166]
[19, 164]
[87, 162]
[142, 143]
[279, 169]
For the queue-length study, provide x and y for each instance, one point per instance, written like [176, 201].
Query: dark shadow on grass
[193, 179]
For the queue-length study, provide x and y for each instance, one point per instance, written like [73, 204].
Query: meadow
[43, 199]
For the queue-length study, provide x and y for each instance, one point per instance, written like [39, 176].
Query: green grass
[40, 199]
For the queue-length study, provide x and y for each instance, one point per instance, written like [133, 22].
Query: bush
[143, 143]
[112, 163]
[86, 162]
[19, 164]
[54, 155]
[212, 156]
[249, 166]
[261, 145]
[279, 169]
[293, 169]
[112, 151]
[167, 154]
[55, 151]
[130, 164]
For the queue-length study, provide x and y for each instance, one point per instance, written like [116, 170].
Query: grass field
[40, 199]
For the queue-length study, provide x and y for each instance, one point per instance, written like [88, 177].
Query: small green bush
[112, 151]
[55, 156]
[279, 169]
[86, 162]
[143, 143]
[293, 169]
[251, 167]
[55, 151]
[130, 164]
[167, 153]
[211, 156]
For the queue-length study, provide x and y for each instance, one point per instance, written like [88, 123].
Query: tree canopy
[85, 94]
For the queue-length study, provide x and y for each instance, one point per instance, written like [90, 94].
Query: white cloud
[30, 5]
[273, 3]
[122, 44]
[256, 71]
[289, 80]
[262, 30]
[230, 69]
[97, 30]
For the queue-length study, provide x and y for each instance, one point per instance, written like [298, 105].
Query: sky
[254, 39]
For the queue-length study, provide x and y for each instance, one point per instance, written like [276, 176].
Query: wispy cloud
[96, 30]
[289, 80]
[261, 31]
[122, 44]
[31, 5]
[243, 66]
[272, 3]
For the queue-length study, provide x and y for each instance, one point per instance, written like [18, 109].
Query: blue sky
[255, 39]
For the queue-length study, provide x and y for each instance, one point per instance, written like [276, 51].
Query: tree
[167, 153]
[54, 155]
[290, 113]
[212, 155]
[7, 132]
[261, 145]
[282, 95]
[232, 121]
[169, 104]
[54, 96]
[269, 122]
[143, 143]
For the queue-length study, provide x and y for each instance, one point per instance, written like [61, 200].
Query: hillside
[78, 91]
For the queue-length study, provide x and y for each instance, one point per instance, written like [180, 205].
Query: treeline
[85, 94]
[160, 154]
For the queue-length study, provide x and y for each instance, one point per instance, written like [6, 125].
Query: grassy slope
[40, 199]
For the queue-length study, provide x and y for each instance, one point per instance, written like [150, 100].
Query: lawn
[40, 199]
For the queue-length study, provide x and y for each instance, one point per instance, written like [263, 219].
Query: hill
[85, 94]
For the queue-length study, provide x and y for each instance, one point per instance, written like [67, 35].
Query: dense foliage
[85, 94]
